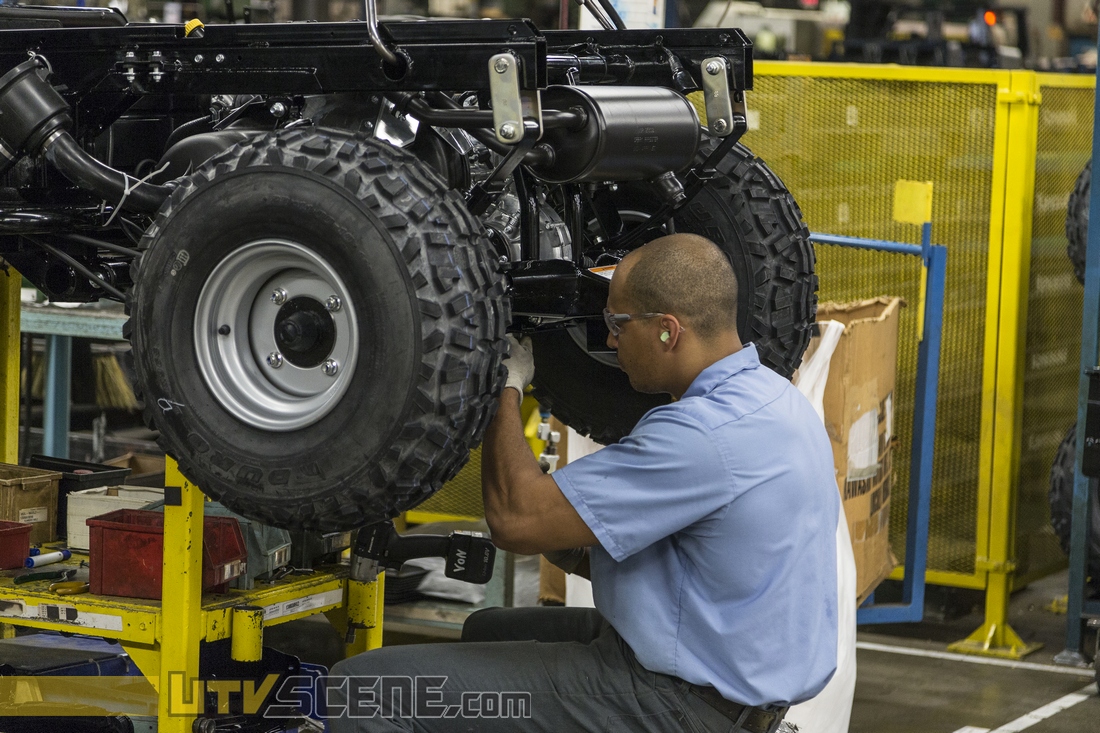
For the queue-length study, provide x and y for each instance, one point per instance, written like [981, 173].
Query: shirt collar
[723, 369]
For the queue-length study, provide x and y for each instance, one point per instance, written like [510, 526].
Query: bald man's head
[687, 276]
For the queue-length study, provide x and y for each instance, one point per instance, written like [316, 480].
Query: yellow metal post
[247, 640]
[364, 614]
[1002, 410]
[10, 280]
[181, 611]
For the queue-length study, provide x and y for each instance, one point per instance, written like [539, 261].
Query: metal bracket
[716, 93]
[1006, 95]
[985, 565]
[507, 103]
[479, 197]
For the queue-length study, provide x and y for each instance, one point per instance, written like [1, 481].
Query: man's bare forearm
[524, 507]
[506, 462]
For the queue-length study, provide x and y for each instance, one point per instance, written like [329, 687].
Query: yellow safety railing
[840, 136]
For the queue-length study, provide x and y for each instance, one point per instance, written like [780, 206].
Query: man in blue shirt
[711, 531]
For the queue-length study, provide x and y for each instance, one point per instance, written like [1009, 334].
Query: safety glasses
[615, 321]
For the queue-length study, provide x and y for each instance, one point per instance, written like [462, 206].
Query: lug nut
[714, 68]
[274, 360]
[224, 330]
[279, 296]
[330, 367]
[333, 304]
[720, 125]
[508, 131]
[501, 65]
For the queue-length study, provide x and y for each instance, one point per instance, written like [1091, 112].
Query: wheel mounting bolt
[508, 131]
[333, 303]
[224, 330]
[279, 296]
[714, 68]
[274, 360]
[330, 367]
[500, 65]
[720, 125]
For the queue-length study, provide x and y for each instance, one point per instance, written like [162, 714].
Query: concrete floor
[900, 693]
[897, 692]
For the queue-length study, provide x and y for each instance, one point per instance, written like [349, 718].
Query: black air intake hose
[35, 119]
[87, 172]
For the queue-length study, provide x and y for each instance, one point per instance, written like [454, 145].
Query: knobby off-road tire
[1077, 222]
[749, 213]
[418, 332]
[1061, 504]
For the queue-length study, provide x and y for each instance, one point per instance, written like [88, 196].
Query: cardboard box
[29, 495]
[145, 469]
[101, 500]
[859, 417]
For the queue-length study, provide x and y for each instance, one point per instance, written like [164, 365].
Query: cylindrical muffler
[30, 109]
[632, 133]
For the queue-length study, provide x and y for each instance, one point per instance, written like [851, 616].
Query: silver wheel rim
[238, 367]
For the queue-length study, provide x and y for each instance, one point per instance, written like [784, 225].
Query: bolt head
[333, 304]
[224, 330]
[198, 58]
[330, 367]
[277, 110]
[279, 296]
[714, 68]
[508, 131]
[219, 58]
[130, 54]
[720, 125]
[274, 360]
[501, 65]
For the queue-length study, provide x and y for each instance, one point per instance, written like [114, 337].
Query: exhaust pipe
[35, 120]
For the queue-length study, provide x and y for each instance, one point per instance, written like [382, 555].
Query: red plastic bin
[15, 544]
[126, 547]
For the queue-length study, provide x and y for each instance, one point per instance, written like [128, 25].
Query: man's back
[717, 519]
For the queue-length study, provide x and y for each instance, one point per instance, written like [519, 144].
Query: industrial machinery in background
[912, 32]
[324, 231]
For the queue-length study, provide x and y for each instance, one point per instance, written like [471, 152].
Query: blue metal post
[911, 609]
[924, 437]
[934, 259]
[55, 419]
[1090, 329]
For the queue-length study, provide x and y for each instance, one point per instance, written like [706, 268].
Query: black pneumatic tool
[469, 555]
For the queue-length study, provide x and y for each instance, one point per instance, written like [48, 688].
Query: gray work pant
[552, 670]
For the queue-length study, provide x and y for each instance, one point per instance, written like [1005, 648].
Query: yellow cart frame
[163, 637]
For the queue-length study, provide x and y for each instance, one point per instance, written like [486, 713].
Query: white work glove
[520, 363]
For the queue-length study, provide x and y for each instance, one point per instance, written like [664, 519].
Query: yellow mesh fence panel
[1053, 344]
[840, 145]
[461, 496]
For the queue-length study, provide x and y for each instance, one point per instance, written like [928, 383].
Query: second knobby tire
[748, 212]
[317, 330]
[1061, 504]
[1077, 222]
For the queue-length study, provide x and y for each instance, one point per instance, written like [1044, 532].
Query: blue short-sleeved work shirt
[717, 520]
